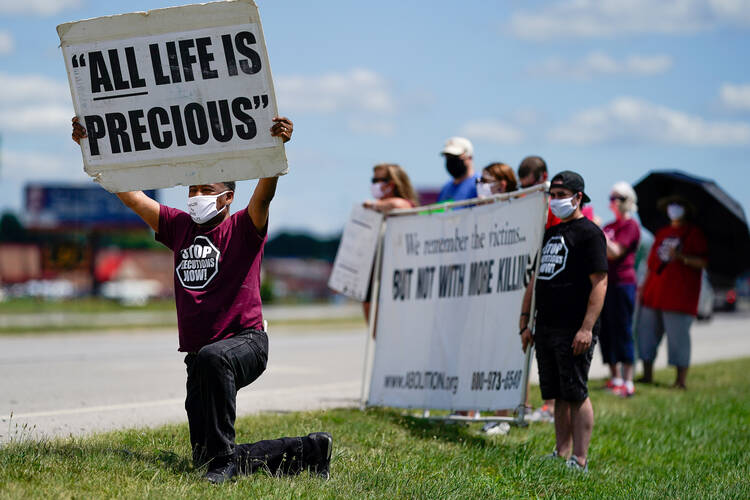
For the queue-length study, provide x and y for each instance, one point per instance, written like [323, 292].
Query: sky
[609, 88]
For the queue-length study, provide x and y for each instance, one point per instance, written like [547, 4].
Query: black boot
[221, 469]
[321, 463]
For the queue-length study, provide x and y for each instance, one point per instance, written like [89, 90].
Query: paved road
[78, 383]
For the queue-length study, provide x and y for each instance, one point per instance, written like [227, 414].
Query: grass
[662, 443]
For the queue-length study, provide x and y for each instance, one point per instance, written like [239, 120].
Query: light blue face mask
[203, 208]
[562, 208]
[675, 211]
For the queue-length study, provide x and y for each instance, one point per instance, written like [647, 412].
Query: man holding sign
[570, 289]
[217, 260]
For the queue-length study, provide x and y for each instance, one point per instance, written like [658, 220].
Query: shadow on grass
[454, 432]
[99, 454]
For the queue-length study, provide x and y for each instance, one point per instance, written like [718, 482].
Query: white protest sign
[451, 291]
[354, 258]
[174, 96]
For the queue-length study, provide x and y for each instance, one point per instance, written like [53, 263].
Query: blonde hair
[630, 205]
[402, 187]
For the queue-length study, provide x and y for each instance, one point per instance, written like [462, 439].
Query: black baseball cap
[570, 180]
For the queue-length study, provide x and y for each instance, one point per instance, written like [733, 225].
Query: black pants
[214, 374]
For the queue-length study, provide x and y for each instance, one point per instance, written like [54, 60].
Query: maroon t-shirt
[627, 233]
[217, 275]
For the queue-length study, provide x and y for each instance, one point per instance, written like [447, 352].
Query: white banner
[451, 290]
[353, 264]
[182, 95]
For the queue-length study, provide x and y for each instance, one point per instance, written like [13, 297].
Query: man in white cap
[459, 163]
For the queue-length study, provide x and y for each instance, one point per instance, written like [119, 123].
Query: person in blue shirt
[459, 163]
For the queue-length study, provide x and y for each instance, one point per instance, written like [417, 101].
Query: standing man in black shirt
[570, 290]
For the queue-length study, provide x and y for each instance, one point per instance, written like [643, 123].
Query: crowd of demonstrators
[569, 297]
[669, 296]
[588, 297]
[220, 321]
[391, 189]
[616, 337]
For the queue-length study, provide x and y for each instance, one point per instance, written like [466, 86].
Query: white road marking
[312, 389]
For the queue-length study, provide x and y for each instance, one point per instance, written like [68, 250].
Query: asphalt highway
[73, 384]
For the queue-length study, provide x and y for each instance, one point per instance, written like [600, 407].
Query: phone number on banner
[495, 381]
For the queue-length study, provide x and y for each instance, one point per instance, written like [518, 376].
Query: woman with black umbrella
[671, 289]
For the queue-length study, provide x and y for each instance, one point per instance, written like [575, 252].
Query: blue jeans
[616, 335]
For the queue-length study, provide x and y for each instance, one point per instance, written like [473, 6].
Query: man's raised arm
[266, 187]
[146, 208]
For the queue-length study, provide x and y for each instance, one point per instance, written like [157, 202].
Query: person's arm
[146, 208]
[582, 340]
[527, 338]
[265, 190]
[692, 261]
[614, 250]
[387, 204]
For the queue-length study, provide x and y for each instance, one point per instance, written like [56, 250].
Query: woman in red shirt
[671, 289]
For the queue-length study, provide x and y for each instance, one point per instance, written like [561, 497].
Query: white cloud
[491, 130]
[735, 97]
[735, 11]
[600, 63]
[29, 103]
[613, 18]
[628, 119]
[32, 88]
[356, 90]
[6, 43]
[34, 118]
[26, 166]
[38, 7]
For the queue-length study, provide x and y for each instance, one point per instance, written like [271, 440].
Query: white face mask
[562, 208]
[675, 211]
[377, 190]
[203, 208]
[484, 190]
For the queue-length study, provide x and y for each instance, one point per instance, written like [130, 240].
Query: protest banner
[352, 266]
[174, 96]
[451, 290]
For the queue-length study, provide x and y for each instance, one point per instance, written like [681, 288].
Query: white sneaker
[572, 463]
[496, 428]
[543, 414]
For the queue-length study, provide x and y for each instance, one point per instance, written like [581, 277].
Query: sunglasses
[617, 198]
[375, 180]
[482, 180]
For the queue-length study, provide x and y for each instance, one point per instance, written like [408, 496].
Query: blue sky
[609, 88]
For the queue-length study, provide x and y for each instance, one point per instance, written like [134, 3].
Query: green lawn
[662, 443]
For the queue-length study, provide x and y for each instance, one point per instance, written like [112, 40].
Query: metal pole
[520, 419]
[374, 294]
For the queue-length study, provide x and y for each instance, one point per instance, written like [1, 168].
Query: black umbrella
[719, 216]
